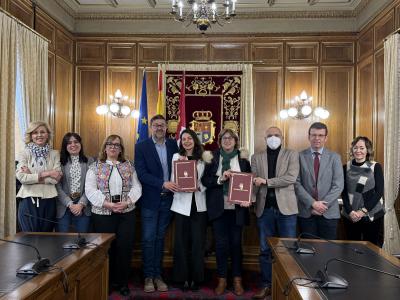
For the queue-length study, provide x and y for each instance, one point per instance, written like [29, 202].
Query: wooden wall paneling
[337, 93]
[64, 46]
[268, 95]
[383, 28]
[298, 79]
[334, 53]
[63, 100]
[4, 4]
[22, 10]
[364, 108]
[123, 78]
[397, 15]
[51, 87]
[121, 53]
[89, 94]
[188, 52]
[302, 53]
[228, 51]
[149, 52]
[380, 106]
[47, 29]
[269, 53]
[365, 45]
[90, 52]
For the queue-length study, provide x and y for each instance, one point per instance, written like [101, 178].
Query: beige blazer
[30, 182]
[287, 170]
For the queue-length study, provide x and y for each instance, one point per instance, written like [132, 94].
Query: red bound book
[240, 187]
[185, 172]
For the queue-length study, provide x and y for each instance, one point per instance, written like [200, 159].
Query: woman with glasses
[38, 170]
[72, 205]
[227, 219]
[363, 208]
[112, 188]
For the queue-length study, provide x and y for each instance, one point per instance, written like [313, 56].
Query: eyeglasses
[227, 138]
[111, 145]
[320, 136]
[158, 126]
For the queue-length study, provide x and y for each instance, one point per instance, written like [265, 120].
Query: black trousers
[120, 253]
[365, 230]
[189, 246]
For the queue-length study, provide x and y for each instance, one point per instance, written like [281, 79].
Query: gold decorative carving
[231, 97]
[233, 125]
[203, 86]
[204, 126]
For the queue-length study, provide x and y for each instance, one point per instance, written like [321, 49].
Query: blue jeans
[319, 226]
[70, 221]
[154, 226]
[272, 223]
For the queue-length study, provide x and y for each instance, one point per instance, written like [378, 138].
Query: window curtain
[392, 142]
[8, 53]
[247, 101]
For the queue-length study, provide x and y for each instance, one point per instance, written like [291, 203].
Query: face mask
[273, 142]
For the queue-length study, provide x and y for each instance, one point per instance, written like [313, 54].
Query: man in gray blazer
[276, 171]
[319, 185]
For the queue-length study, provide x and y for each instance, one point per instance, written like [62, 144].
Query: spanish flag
[160, 100]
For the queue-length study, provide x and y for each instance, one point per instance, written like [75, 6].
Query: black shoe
[194, 286]
[124, 290]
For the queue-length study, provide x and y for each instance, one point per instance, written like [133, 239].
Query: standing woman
[228, 219]
[38, 170]
[190, 219]
[112, 187]
[72, 205]
[362, 194]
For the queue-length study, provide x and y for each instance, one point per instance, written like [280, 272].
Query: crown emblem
[202, 115]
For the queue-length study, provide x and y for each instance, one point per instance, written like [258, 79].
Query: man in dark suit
[153, 159]
[276, 170]
[319, 185]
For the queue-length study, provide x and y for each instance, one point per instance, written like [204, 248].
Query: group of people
[290, 189]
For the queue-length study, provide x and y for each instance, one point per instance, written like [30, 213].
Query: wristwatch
[364, 210]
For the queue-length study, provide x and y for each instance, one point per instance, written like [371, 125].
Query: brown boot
[237, 286]
[220, 289]
[262, 293]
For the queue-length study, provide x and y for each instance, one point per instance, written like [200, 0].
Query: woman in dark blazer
[227, 219]
[72, 206]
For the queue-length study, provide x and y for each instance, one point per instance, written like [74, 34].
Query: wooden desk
[285, 268]
[86, 270]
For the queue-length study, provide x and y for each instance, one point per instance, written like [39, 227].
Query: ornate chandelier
[301, 109]
[117, 108]
[203, 13]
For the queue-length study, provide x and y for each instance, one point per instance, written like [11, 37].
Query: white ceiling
[253, 16]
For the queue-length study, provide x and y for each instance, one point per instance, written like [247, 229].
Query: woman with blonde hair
[39, 171]
[113, 188]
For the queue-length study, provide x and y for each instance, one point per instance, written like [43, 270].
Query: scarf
[39, 154]
[226, 165]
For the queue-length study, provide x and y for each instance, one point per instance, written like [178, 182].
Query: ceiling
[253, 16]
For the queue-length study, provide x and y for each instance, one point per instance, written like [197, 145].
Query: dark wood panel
[90, 52]
[383, 28]
[397, 16]
[4, 4]
[47, 29]
[337, 53]
[121, 53]
[64, 46]
[63, 100]
[188, 52]
[22, 10]
[51, 86]
[149, 52]
[337, 90]
[269, 53]
[302, 53]
[89, 94]
[365, 45]
[380, 107]
[364, 110]
[228, 51]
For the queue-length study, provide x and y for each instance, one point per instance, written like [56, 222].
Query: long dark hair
[64, 154]
[198, 147]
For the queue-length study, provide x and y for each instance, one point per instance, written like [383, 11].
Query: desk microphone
[301, 248]
[336, 281]
[77, 244]
[32, 267]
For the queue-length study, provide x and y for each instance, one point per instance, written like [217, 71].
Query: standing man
[319, 185]
[153, 159]
[276, 171]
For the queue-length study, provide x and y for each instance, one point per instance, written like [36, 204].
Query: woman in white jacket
[190, 219]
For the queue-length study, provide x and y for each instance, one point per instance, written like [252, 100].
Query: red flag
[182, 110]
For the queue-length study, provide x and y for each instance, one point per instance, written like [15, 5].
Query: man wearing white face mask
[276, 171]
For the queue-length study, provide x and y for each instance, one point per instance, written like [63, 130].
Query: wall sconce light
[117, 107]
[301, 109]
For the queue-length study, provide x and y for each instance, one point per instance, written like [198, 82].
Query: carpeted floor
[251, 282]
